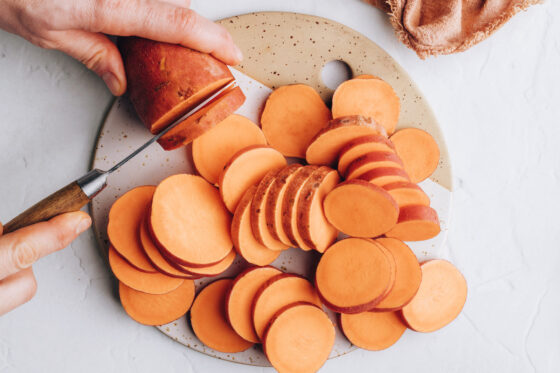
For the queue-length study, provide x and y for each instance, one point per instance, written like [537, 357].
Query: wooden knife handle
[68, 199]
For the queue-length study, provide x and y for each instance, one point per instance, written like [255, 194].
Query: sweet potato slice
[416, 223]
[360, 146]
[209, 321]
[299, 339]
[289, 206]
[312, 225]
[408, 275]
[440, 298]
[189, 222]
[278, 292]
[361, 209]
[244, 241]
[406, 193]
[157, 309]
[371, 161]
[393, 269]
[151, 283]
[215, 148]
[353, 275]
[247, 167]
[371, 98]
[418, 151]
[366, 76]
[124, 219]
[372, 331]
[292, 116]
[208, 271]
[167, 80]
[203, 120]
[239, 300]
[273, 207]
[382, 176]
[326, 145]
[258, 214]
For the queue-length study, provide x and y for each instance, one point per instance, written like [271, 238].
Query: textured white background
[499, 106]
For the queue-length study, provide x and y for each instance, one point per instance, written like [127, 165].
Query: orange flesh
[353, 275]
[385, 175]
[157, 309]
[189, 221]
[360, 146]
[361, 209]
[209, 321]
[416, 223]
[215, 148]
[212, 270]
[440, 298]
[125, 217]
[299, 339]
[393, 265]
[371, 161]
[418, 151]
[372, 331]
[366, 76]
[371, 98]
[408, 275]
[273, 209]
[278, 292]
[258, 215]
[151, 283]
[406, 194]
[239, 300]
[242, 234]
[247, 167]
[292, 116]
[326, 146]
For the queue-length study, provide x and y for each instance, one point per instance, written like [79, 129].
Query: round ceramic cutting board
[280, 48]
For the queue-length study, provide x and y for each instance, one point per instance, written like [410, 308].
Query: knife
[80, 192]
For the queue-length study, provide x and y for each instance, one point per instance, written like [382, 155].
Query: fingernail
[238, 53]
[83, 225]
[112, 82]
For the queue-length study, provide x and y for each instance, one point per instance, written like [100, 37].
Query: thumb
[97, 52]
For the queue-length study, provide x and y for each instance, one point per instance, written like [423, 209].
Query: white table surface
[499, 106]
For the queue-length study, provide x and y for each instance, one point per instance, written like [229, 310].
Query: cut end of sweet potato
[372, 161]
[416, 223]
[407, 193]
[418, 151]
[372, 331]
[385, 175]
[361, 146]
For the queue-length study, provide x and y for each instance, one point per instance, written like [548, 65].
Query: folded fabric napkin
[432, 27]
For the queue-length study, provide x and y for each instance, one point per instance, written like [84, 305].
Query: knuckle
[93, 60]
[185, 19]
[102, 9]
[24, 255]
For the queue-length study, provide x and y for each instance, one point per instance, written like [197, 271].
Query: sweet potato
[361, 209]
[382, 176]
[292, 116]
[360, 146]
[157, 309]
[312, 225]
[371, 161]
[440, 298]
[189, 222]
[408, 275]
[258, 215]
[366, 76]
[372, 331]
[124, 219]
[245, 168]
[371, 98]
[416, 223]
[209, 321]
[239, 300]
[326, 145]
[406, 193]
[289, 206]
[353, 275]
[207, 271]
[203, 120]
[280, 291]
[151, 283]
[274, 200]
[393, 269]
[418, 151]
[242, 234]
[167, 80]
[215, 148]
[299, 338]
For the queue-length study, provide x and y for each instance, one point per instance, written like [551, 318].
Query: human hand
[77, 27]
[20, 249]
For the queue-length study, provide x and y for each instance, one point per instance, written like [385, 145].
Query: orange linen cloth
[432, 27]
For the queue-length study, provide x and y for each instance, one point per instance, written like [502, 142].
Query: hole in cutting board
[335, 72]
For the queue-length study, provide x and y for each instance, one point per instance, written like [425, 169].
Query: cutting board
[280, 48]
